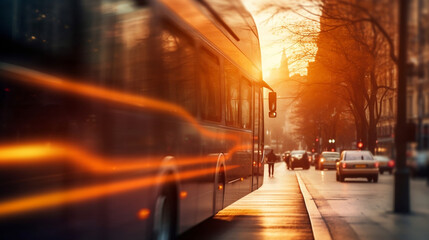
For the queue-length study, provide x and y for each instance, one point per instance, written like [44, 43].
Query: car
[278, 157]
[385, 164]
[316, 158]
[418, 162]
[299, 158]
[286, 155]
[357, 164]
[286, 158]
[328, 160]
[310, 157]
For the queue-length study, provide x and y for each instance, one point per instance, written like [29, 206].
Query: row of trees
[353, 71]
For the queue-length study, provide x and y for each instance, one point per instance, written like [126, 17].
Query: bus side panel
[88, 145]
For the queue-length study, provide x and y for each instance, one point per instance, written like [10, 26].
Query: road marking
[318, 225]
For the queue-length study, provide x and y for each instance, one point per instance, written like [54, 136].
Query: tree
[355, 49]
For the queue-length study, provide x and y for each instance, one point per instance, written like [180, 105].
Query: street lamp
[401, 183]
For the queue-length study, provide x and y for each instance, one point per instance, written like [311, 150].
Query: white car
[357, 164]
[328, 160]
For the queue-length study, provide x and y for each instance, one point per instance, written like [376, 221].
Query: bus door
[256, 163]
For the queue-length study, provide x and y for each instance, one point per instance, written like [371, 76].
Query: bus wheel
[165, 219]
[219, 191]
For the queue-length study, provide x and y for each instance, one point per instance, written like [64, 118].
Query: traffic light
[360, 145]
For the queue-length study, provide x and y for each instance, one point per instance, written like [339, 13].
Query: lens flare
[16, 154]
[143, 214]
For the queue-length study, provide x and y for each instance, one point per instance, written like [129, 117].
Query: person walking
[287, 160]
[271, 159]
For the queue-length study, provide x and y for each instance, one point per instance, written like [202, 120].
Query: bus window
[45, 26]
[132, 62]
[246, 99]
[178, 60]
[209, 74]
[232, 85]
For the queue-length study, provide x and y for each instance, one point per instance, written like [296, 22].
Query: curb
[318, 225]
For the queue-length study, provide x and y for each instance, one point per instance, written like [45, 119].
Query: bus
[126, 119]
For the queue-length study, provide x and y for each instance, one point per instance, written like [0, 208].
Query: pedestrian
[287, 160]
[271, 159]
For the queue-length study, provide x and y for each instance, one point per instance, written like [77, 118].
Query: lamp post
[402, 184]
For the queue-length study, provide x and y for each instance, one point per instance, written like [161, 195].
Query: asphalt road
[357, 209]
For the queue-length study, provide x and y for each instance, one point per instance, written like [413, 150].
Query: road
[361, 210]
[355, 209]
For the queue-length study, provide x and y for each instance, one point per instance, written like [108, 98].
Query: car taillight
[376, 164]
[391, 163]
[344, 165]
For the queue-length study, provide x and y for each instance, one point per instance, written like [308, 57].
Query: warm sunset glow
[274, 38]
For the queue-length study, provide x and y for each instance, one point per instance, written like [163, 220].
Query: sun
[275, 38]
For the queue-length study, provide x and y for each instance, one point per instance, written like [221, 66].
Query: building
[279, 130]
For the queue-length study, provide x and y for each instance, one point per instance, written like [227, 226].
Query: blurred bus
[126, 119]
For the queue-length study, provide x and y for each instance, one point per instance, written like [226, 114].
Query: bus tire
[219, 190]
[165, 214]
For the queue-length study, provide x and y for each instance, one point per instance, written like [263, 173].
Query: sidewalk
[275, 211]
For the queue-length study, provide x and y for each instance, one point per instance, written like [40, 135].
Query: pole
[420, 74]
[402, 184]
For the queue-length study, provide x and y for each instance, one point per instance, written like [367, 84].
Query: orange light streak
[183, 194]
[42, 152]
[75, 87]
[143, 214]
[48, 200]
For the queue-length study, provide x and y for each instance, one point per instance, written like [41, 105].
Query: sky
[274, 39]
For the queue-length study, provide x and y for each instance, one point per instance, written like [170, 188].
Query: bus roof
[205, 17]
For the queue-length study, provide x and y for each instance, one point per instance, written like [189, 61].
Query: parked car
[299, 158]
[286, 155]
[418, 163]
[357, 164]
[310, 157]
[385, 164]
[316, 159]
[278, 157]
[328, 160]
[286, 158]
